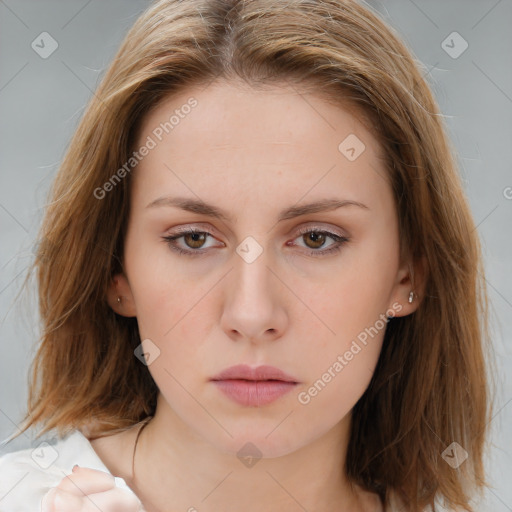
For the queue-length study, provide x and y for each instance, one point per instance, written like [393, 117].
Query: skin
[254, 153]
[89, 489]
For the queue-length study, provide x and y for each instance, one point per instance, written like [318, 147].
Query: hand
[89, 490]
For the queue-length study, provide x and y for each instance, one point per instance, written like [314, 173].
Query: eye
[313, 238]
[194, 239]
[316, 238]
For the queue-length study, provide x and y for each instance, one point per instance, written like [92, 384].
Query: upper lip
[246, 372]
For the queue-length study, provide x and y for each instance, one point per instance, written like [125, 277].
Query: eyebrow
[200, 207]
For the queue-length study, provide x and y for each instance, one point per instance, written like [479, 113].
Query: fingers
[85, 481]
[56, 500]
[114, 500]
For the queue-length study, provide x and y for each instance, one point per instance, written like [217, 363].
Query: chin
[260, 439]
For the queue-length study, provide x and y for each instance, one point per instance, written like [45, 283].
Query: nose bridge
[252, 305]
[252, 279]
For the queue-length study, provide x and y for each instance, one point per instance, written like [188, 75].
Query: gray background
[41, 101]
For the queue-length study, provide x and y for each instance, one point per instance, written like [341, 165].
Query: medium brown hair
[430, 386]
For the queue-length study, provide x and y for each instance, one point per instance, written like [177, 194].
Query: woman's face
[294, 264]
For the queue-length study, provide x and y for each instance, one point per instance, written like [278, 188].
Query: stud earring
[411, 297]
[119, 300]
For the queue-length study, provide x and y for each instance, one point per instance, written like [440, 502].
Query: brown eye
[195, 240]
[318, 243]
[189, 242]
[317, 239]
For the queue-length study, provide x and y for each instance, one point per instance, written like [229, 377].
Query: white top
[27, 475]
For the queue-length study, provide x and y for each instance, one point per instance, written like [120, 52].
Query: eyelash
[340, 240]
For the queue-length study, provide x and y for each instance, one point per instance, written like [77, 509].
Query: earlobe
[410, 286]
[120, 297]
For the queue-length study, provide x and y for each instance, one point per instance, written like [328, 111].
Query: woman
[259, 278]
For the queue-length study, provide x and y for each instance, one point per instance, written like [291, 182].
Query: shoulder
[27, 475]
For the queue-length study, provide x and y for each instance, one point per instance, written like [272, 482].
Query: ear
[120, 297]
[411, 277]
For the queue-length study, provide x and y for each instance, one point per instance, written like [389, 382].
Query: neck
[174, 466]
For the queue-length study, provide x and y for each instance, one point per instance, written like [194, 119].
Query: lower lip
[254, 393]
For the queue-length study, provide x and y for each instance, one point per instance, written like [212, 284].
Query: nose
[254, 302]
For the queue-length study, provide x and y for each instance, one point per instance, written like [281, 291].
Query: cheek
[355, 300]
[177, 316]
[356, 330]
[365, 283]
[332, 394]
[162, 298]
[340, 370]
[176, 320]
[352, 308]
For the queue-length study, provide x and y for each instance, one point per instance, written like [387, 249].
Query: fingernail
[74, 467]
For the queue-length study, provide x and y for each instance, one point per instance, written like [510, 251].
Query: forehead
[258, 114]
[279, 137]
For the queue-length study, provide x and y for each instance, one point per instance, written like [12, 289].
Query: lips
[245, 372]
[254, 387]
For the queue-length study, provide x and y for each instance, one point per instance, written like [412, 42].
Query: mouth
[254, 387]
[257, 374]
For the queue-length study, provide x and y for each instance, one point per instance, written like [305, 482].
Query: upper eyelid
[211, 231]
